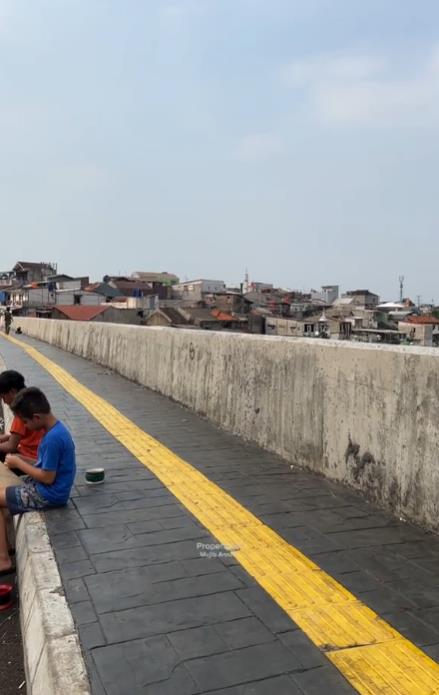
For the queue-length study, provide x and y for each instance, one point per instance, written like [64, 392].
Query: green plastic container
[94, 476]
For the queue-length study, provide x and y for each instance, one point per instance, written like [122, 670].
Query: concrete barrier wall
[363, 414]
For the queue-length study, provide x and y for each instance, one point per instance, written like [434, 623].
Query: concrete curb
[52, 654]
[53, 659]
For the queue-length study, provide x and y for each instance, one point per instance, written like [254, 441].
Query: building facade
[195, 290]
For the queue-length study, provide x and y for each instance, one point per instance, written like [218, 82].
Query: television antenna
[401, 287]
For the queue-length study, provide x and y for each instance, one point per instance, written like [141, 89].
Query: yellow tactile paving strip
[372, 656]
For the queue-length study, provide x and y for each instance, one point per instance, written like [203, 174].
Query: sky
[298, 139]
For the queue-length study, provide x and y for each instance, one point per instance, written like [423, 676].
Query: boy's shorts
[25, 497]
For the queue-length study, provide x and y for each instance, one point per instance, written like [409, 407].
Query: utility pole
[419, 300]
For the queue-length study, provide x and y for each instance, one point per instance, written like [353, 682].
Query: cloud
[366, 90]
[258, 147]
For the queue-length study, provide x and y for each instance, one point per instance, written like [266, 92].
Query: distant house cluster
[160, 299]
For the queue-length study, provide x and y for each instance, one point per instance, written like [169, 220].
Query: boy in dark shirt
[47, 483]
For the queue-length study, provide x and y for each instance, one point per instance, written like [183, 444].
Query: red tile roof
[422, 320]
[82, 313]
[221, 315]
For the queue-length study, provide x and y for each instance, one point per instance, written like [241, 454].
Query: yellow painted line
[391, 667]
[372, 656]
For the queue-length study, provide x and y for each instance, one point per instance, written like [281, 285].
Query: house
[390, 313]
[212, 319]
[195, 290]
[420, 330]
[78, 313]
[26, 272]
[146, 304]
[68, 297]
[313, 326]
[130, 287]
[196, 317]
[166, 317]
[258, 299]
[104, 289]
[232, 302]
[103, 313]
[328, 294]
[426, 308]
[230, 321]
[345, 303]
[278, 302]
[162, 278]
[42, 296]
[259, 286]
[363, 298]
[66, 282]
[376, 335]
[7, 278]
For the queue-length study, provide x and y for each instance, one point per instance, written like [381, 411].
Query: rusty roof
[81, 313]
[222, 315]
[422, 320]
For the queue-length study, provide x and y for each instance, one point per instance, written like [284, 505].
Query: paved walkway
[157, 616]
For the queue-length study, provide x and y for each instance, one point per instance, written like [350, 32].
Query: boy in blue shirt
[47, 483]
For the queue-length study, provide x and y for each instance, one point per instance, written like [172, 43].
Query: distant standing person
[8, 320]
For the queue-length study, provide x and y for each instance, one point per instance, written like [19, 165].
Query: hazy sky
[298, 138]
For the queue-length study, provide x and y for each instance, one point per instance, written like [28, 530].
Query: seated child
[20, 439]
[48, 483]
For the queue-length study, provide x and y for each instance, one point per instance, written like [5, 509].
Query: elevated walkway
[205, 565]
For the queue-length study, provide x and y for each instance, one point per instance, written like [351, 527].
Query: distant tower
[246, 282]
[401, 288]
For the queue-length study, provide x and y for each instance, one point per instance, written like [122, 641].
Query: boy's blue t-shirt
[57, 453]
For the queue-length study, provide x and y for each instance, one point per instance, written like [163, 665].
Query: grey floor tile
[241, 665]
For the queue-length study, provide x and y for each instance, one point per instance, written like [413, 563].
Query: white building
[196, 289]
[420, 330]
[328, 294]
[77, 296]
[395, 310]
[41, 296]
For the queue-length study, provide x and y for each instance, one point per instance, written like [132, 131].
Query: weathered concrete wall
[362, 414]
